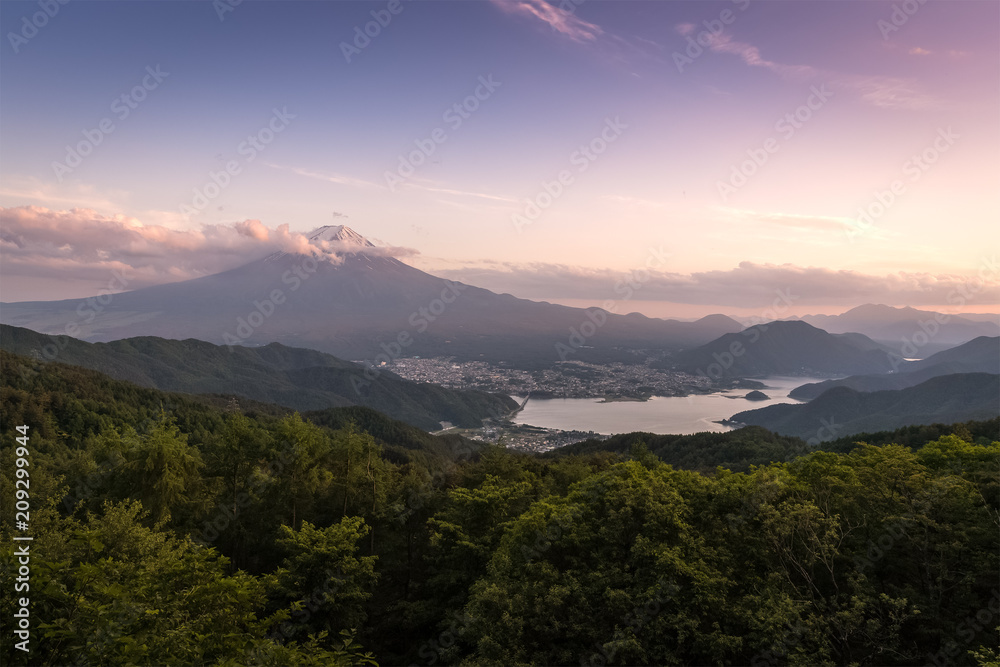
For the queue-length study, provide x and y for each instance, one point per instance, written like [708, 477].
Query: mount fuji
[355, 301]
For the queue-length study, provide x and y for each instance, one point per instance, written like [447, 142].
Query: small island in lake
[624, 399]
[757, 396]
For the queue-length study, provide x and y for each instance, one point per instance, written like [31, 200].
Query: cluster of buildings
[531, 438]
[568, 379]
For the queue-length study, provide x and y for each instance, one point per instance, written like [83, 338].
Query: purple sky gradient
[833, 148]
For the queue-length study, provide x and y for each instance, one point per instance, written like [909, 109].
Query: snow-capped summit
[333, 290]
[341, 233]
[339, 240]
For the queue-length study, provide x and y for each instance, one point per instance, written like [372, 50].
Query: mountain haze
[926, 332]
[981, 355]
[358, 303]
[843, 411]
[785, 348]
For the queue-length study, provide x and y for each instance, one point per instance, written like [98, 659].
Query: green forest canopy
[170, 530]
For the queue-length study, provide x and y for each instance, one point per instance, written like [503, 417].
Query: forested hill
[842, 411]
[736, 450]
[786, 348]
[167, 530]
[295, 377]
[981, 355]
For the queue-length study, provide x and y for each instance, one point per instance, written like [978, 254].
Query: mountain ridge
[980, 355]
[298, 378]
[911, 331]
[842, 411]
[785, 347]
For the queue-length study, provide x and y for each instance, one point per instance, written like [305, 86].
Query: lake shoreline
[676, 415]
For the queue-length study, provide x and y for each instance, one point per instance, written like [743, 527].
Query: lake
[679, 415]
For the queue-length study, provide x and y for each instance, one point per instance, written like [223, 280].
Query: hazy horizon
[717, 154]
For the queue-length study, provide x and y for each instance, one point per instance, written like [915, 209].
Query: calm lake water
[679, 415]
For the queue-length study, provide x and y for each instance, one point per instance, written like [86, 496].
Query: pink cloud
[747, 285]
[253, 228]
[562, 21]
[750, 54]
[82, 245]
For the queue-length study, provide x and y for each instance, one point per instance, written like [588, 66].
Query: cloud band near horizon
[81, 249]
[81, 246]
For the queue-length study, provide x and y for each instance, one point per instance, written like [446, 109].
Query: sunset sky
[729, 147]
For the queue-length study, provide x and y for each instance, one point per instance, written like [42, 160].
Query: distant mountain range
[843, 411]
[981, 355]
[786, 348]
[364, 305]
[910, 332]
[297, 378]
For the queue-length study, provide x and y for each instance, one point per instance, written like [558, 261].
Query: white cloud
[83, 245]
